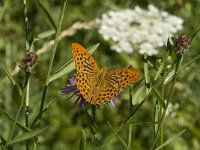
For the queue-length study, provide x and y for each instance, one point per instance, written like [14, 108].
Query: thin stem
[161, 111]
[130, 136]
[26, 24]
[161, 126]
[42, 102]
[27, 112]
[189, 63]
[93, 113]
[130, 127]
[168, 98]
[52, 59]
[27, 89]
[130, 101]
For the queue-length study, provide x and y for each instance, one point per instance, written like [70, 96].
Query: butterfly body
[99, 86]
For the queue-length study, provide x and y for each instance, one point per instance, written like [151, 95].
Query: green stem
[161, 111]
[161, 126]
[130, 127]
[168, 98]
[52, 59]
[27, 49]
[26, 24]
[130, 136]
[27, 112]
[189, 63]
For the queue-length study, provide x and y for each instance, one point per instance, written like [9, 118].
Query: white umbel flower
[146, 29]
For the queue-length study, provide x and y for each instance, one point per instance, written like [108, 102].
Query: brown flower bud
[181, 44]
[29, 61]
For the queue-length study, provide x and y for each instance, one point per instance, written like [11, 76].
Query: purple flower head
[72, 88]
[81, 101]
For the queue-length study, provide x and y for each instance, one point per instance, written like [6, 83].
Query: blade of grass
[83, 141]
[172, 139]
[116, 134]
[26, 136]
[10, 118]
[48, 15]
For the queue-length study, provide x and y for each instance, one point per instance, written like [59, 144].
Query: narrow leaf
[83, 141]
[171, 140]
[44, 35]
[169, 77]
[10, 118]
[146, 73]
[26, 136]
[16, 94]
[138, 95]
[69, 66]
[116, 134]
[48, 15]
[9, 76]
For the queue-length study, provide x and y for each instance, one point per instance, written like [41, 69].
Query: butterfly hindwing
[123, 77]
[115, 81]
[106, 94]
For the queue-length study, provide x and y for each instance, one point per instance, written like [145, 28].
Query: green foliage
[142, 118]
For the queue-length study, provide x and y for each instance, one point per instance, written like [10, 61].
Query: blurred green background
[66, 123]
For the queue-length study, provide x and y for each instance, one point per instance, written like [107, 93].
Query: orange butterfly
[99, 86]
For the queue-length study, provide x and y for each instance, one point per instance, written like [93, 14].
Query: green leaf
[171, 140]
[16, 90]
[11, 119]
[26, 136]
[159, 97]
[146, 73]
[48, 15]
[69, 66]
[156, 117]
[138, 95]
[44, 35]
[83, 141]
[116, 134]
[16, 94]
[169, 77]
[9, 76]
[143, 122]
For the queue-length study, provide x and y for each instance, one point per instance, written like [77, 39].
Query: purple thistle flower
[72, 88]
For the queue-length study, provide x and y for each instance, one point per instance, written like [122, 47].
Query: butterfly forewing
[87, 70]
[83, 59]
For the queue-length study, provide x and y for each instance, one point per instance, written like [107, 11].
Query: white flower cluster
[145, 30]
